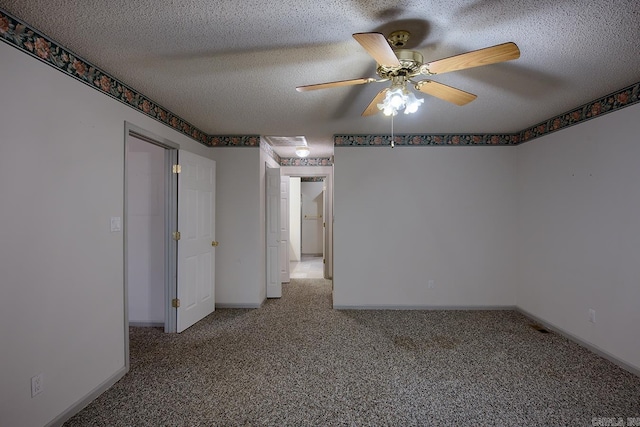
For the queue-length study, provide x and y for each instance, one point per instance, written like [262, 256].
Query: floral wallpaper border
[36, 44]
[312, 179]
[614, 101]
[427, 139]
[234, 141]
[309, 161]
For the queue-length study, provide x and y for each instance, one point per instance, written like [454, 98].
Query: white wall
[239, 273]
[312, 212]
[61, 179]
[145, 232]
[294, 219]
[407, 215]
[579, 233]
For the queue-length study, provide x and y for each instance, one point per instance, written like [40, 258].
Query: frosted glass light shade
[398, 98]
[302, 151]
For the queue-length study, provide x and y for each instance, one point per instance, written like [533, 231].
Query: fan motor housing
[410, 63]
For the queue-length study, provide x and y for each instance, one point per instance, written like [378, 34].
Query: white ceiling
[231, 67]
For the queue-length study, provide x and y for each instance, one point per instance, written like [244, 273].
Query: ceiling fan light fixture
[302, 151]
[393, 102]
[398, 98]
[387, 110]
[412, 103]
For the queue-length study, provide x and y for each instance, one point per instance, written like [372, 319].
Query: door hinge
[177, 169]
[176, 235]
[175, 303]
[324, 261]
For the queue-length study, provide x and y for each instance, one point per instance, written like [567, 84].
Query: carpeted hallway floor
[297, 362]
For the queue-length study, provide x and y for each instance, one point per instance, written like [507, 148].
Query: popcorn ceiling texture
[298, 362]
[230, 68]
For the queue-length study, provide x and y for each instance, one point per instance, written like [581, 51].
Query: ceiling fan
[400, 66]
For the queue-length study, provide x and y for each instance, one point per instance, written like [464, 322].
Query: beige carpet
[297, 362]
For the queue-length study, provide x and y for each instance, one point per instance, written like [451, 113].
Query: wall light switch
[430, 284]
[592, 315]
[116, 224]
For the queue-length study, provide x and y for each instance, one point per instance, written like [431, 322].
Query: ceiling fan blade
[488, 55]
[378, 47]
[444, 92]
[335, 84]
[372, 108]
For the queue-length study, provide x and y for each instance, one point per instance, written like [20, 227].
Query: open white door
[325, 217]
[274, 284]
[284, 229]
[196, 244]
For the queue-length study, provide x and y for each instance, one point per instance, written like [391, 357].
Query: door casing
[171, 215]
[327, 173]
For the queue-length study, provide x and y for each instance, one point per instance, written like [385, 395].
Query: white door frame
[272, 232]
[171, 216]
[327, 173]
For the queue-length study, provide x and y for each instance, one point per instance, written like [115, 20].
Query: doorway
[145, 219]
[169, 242]
[312, 215]
[324, 176]
[150, 218]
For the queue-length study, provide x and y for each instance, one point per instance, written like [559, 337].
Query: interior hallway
[309, 267]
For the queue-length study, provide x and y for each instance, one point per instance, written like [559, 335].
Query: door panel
[196, 223]
[284, 229]
[274, 284]
[325, 217]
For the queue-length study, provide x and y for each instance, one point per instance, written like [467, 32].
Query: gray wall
[61, 180]
[407, 215]
[579, 231]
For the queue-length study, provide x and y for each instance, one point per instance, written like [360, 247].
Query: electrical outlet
[116, 224]
[430, 284]
[37, 385]
[592, 315]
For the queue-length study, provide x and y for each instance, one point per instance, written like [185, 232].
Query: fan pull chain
[392, 142]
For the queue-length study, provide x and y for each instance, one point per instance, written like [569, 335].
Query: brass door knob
[214, 243]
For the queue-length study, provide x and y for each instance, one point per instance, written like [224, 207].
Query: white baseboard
[86, 400]
[238, 305]
[423, 307]
[147, 324]
[597, 350]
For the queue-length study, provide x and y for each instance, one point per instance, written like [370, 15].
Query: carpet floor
[298, 362]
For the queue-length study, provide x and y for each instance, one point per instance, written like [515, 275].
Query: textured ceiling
[231, 67]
